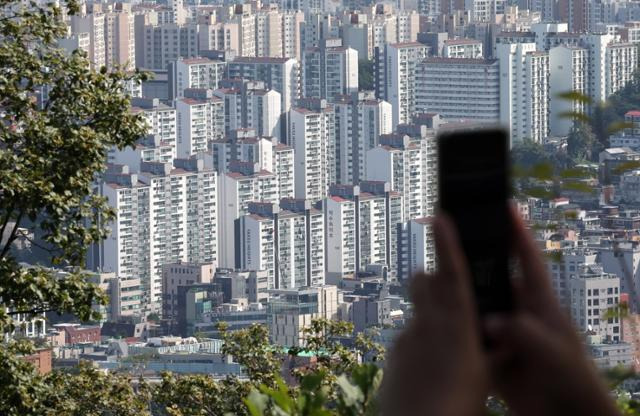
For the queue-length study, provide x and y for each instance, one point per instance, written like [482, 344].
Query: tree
[581, 143]
[51, 151]
[365, 75]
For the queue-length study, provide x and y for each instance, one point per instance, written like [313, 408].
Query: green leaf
[574, 96]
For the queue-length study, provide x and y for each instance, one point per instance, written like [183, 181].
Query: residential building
[199, 120]
[161, 120]
[329, 70]
[361, 223]
[395, 77]
[249, 104]
[622, 259]
[92, 23]
[279, 74]
[408, 165]
[567, 72]
[285, 240]
[165, 213]
[524, 91]
[198, 73]
[416, 248]
[244, 182]
[292, 310]
[165, 43]
[594, 300]
[459, 89]
[312, 131]
[360, 119]
[462, 48]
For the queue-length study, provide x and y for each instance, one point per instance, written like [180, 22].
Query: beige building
[181, 274]
[292, 310]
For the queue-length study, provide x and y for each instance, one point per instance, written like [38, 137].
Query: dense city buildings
[288, 170]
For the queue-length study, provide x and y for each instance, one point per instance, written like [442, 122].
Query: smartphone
[474, 190]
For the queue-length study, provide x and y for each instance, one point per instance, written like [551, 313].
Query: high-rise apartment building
[312, 131]
[416, 248]
[166, 43]
[360, 119]
[567, 72]
[198, 73]
[408, 164]
[249, 104]
[329, 70]
[524, 91]
[459, 89]
[292, 26]
[286, 240]
[244, 182]
[361, 226]
[395, 77]
[218, 36]
[119, 37]
[164, 214]
[266, 152]
[484, 11]
[161, 120]
[279, 74]
[200, 117]
[92, 23]
[268, 33]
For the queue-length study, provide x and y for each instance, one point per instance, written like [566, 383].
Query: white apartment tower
[165, 43]
[244, 182]
[360, 119]
[198, 73]
[567, 72]
[248, 104]
[459, 89]
[329, 70]
[245, 146]
[361, 223]
[161, 120]
[199, 120]
[396, 77]
[416, 248]
[313, 140]
[93, 24]
[408, 165]
[593, 295]
[524, 91]
[279, 74]
[286, 240]
[164, 214]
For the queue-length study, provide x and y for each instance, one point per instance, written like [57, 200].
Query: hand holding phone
[474, 190]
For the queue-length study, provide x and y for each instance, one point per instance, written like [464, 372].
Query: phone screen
[474, 190]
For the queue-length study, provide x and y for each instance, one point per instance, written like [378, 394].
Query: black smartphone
[474, 190]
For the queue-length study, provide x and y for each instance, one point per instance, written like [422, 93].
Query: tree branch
[12, 236]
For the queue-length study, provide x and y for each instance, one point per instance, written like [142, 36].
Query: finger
[540, 298]
[453, 273]
[419, 290]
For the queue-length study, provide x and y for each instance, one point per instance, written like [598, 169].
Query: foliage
[356, 395]
[59, 118]
[90, 391]
[581, 143]
[365, 75]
